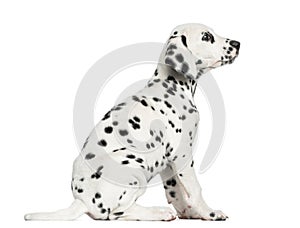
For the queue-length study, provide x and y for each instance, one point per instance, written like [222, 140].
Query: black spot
[106, 116]
[125, 162]
[136, 119]
[148, 146]
[118, 213]
[150, 84]
[99, 168]
[219, 219]
[179, 58]
[156, 99]
[89, 156]
[116, 108]
[156, 72]
[168, 104]
[100, 205]
[96, 175]
[139, 160]
[212, 214]
[161, 134]
[191, 110]
[172, 46]
[183, 40]
[152, 144]
[171, 182]
[144, 102]
[170, 52]
[164, 85]
[129, 141]
[103, 210]
[158, 139]
[170, 62]
[134, 124]
[170, 92]
[123, 132]
[131, 156]
[171, 123]
[172, 194]
[156, 164]
[93, 200]
[185, 68]
[171, 78]
[135, 98]
[122, 104]
[115, 123]
[102, 142]
[97, 195]
[192, 164]
[108, 130]
[199, 61]
[81, 179]
[187, 86]
[80, 190]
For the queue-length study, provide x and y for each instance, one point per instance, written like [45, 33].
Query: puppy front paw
[214, 215]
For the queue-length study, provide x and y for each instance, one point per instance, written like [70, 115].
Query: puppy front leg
[183, 191]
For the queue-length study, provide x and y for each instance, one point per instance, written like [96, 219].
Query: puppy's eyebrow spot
[183, 40]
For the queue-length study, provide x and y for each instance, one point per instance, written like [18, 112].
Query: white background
[46, 47]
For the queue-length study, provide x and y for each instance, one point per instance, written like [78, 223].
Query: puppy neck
[166, 73]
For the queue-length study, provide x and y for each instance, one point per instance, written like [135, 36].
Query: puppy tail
[76, 209]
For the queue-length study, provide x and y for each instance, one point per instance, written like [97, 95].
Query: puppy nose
[235, 44]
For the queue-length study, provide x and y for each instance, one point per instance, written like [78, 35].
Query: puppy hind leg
[140, 213]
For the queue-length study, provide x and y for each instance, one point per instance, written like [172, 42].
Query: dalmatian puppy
[148, 134]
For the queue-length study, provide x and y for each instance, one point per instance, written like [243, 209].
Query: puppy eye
[206, 37]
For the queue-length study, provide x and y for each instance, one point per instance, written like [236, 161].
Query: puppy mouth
[222, 63]
[232, 59]
[229, 61]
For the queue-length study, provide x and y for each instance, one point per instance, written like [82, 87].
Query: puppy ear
[177, 55]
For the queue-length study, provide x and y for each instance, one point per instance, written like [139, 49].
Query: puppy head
[194, 49]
